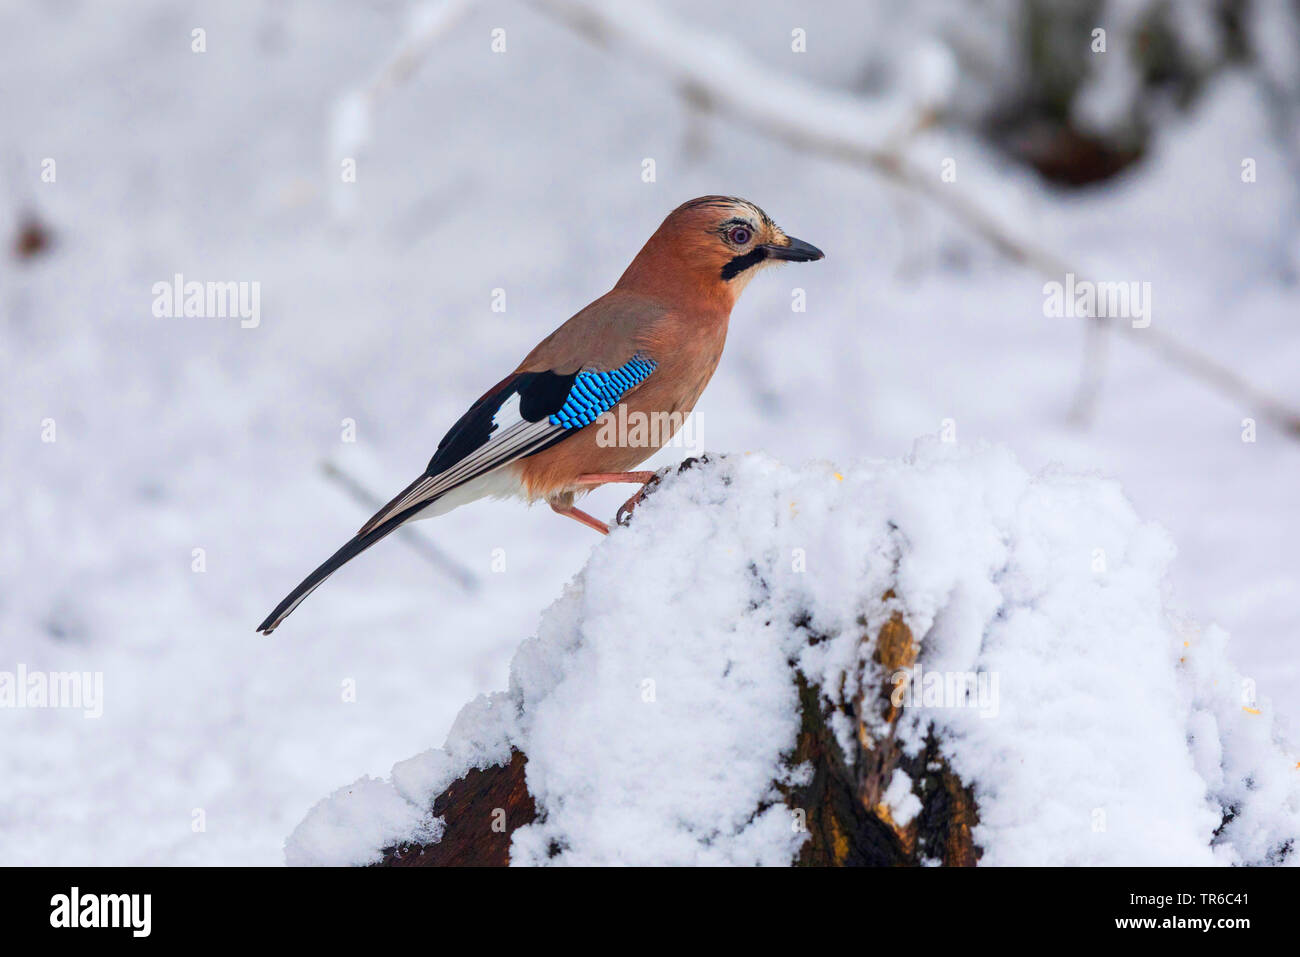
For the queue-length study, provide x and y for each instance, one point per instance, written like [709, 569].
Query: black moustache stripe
[740, 263]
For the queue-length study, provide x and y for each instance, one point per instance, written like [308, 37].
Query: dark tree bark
[482, 809]
[848, 821]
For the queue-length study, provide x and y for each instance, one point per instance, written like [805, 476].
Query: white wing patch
[513, 437]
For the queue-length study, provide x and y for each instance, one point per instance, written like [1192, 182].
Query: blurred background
[949, 157]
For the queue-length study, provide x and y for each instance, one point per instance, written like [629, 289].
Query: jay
[647, 348]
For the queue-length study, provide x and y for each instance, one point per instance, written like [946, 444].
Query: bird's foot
[624, 515]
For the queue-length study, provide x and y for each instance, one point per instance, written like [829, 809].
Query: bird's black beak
[797, 251]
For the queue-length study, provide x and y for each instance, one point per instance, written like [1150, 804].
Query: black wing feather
[540, 394]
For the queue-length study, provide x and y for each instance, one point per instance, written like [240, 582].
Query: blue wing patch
[595, 393]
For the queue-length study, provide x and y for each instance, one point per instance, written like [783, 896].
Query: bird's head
[711, 247]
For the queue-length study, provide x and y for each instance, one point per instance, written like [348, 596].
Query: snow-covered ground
[519, 171]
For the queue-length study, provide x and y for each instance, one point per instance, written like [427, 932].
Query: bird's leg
[604, 478]
[578, 515]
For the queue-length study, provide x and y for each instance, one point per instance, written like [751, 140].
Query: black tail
[336, 561]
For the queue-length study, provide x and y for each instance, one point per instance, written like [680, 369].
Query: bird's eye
[739, 235]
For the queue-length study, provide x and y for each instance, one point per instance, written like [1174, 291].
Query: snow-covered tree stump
[841, 804]
[939, 660]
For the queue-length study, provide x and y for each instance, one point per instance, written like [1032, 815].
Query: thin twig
[427, 549]
[437, 19]
[1090, 376]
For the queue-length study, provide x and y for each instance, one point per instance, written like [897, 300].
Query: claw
[624, 515]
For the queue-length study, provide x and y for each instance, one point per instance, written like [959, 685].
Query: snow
[366, 813]
[521, 171]
[903, 805]
[658, 710]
